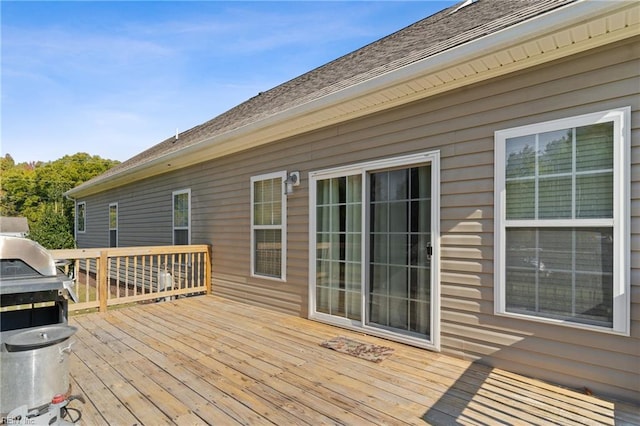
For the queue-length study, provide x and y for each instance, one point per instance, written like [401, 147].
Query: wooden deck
[207, 360]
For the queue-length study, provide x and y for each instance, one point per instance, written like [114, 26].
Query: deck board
[208, 360]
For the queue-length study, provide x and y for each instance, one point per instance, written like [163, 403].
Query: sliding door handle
[429, 251]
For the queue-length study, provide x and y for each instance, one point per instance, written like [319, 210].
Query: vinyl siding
[461, 125]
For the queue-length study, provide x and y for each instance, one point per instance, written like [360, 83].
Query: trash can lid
[34, 338]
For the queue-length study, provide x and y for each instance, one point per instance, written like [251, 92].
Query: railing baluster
[207, 265]
[141, 267]
[180, 267]
[92, 281]
[76, 278]
[103, 280]
[195, 279]
[144, 270]
[117, 262]
[108, 277]
[135, 275]
[126, 278]
[156, 286]
[173, 267]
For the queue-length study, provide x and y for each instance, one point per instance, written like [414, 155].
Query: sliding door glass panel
[339, 246]
[399, 237]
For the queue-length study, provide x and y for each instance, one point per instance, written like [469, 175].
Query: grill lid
[27, 267]
[24, 257]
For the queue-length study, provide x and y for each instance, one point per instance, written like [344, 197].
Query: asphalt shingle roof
[435, 34]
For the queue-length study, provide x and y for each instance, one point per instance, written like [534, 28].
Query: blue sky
[114, 78]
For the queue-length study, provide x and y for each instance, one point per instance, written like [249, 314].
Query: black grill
[32, 292]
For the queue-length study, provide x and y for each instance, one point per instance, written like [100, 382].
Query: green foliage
[7, 162]
[52, 231]
[36, 191]
[18, 191]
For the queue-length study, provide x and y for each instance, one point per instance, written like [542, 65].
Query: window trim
[84, 217]
[283, 228]
[116, 228]
[173, 215]
[621, 119]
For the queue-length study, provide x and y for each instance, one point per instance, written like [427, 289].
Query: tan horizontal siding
[259, 292]
[560, 371]
[462, 200]
[484, 338]
[467, 240]
[461, 125]
[461, 278]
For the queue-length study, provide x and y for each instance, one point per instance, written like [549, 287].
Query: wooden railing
[104, 277]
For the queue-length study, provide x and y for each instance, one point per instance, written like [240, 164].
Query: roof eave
[562, 32]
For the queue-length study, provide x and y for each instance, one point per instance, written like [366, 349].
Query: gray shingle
[13, 225]
[438, 33]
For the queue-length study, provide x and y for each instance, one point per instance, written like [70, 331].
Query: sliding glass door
[399, 245]
[372, 236]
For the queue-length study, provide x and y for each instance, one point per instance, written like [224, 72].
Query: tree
[52, 230]
[7, 162]
[18, 195]
[36, 190]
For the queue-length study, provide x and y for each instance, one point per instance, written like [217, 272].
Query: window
[182, 217]
[268, 225]
[113, 225]
[561, 209]
[81, 217]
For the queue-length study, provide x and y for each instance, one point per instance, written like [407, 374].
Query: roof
[13, 225]
[345, 81]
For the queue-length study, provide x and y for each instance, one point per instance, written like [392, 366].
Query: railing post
[207, 268]
[103, 280]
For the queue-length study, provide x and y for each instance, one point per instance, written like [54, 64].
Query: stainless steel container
[34, 369]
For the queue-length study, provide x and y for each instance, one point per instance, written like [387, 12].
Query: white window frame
[83, 205]
[364, 168]
[621, 119]
[116, 228]
[283, 227]
[173, 216]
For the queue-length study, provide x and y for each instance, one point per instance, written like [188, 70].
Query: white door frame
[433, 158]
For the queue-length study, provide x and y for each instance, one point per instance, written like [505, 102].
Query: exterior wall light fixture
[293, 179]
